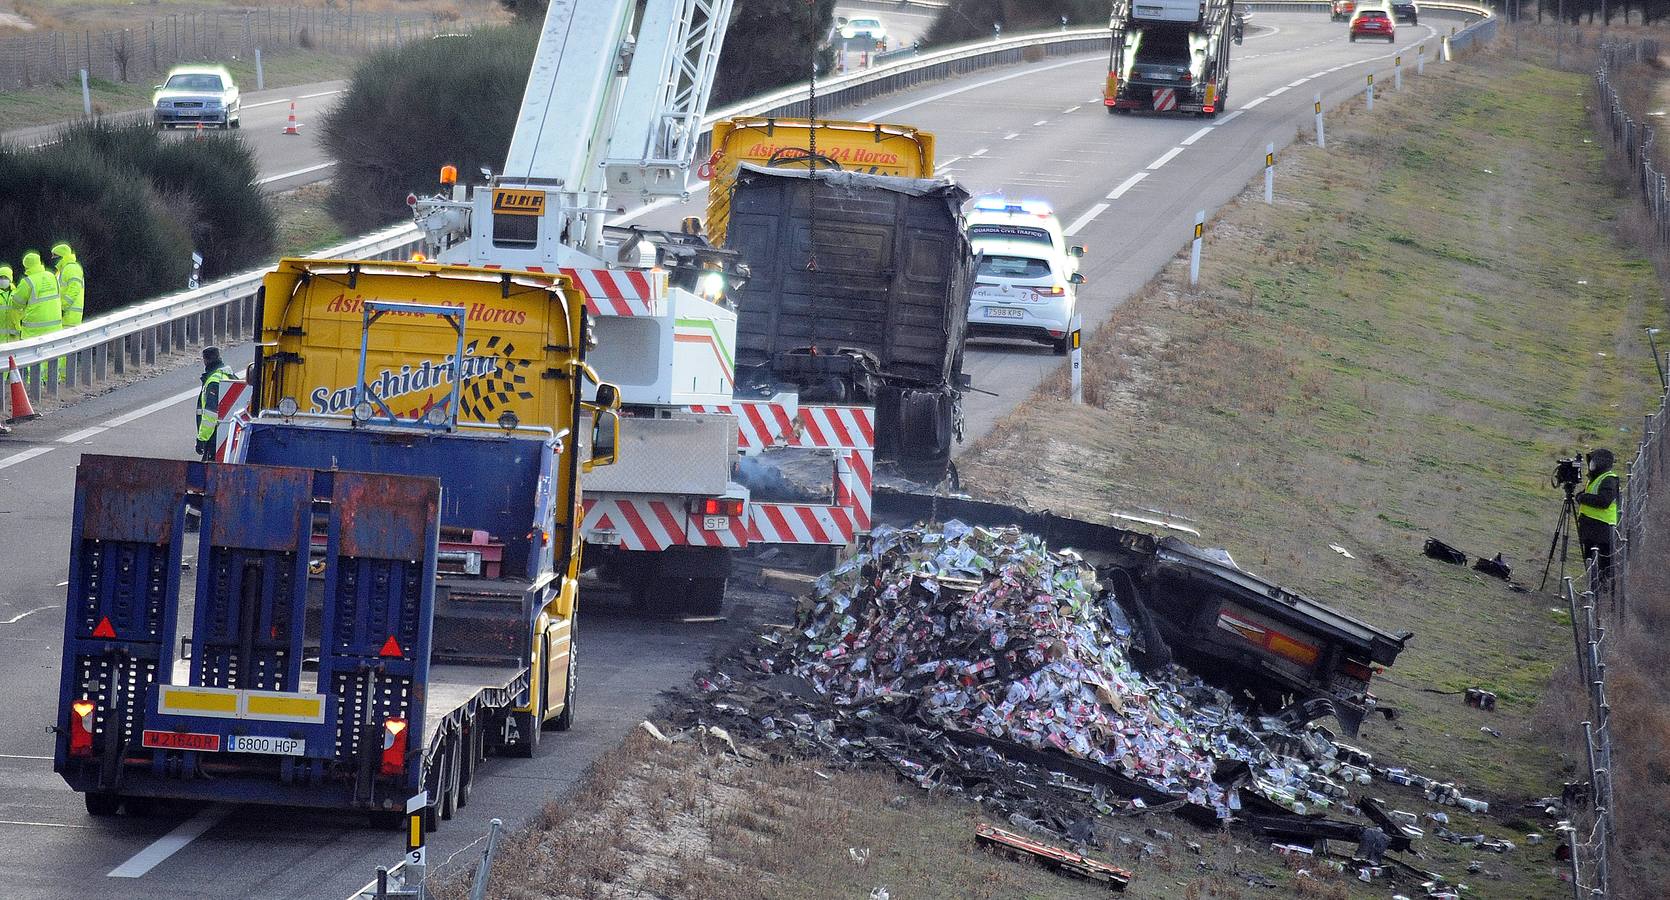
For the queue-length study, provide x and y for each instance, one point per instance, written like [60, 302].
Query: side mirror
[840, 20]
[608, 396]
[1076, 278]
[605, 439]
[1076, 252]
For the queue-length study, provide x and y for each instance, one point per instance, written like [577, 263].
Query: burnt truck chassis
[1231, 627]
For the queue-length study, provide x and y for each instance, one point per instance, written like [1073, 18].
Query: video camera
[1568, 473]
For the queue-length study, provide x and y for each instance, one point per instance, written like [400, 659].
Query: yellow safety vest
[72, 287]
[208, 417]
[39, 295]
[1607, 514]
[8, 317]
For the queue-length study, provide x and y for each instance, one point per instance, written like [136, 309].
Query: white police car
[1027, 282]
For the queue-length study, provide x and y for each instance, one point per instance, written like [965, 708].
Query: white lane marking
[81, 435]
[22, 756]
[280, 177]
[61, 584]
[320, 94]
[1294, 84]
[41, 824]
[1252, 103]
[981, 152]
[264, 103]
[1011, 135]
[1165, 157]
[950, 162]
[1126, 185]
[25, 456]
[1085, 219]
[1040, 122]
[23, 615]
[1072, 109]
[1190, 140]
[1264, 34]
[144, 411]
[1228, 117]
[171, 843]
[977, 85]
[1277, 92]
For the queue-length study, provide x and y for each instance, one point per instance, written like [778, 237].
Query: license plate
[716, 523]
[254, 743]
[181, 740]
[999, 312]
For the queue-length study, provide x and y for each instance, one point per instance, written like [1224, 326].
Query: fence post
[86, 96]
[260, 72]
[478, 889]
[1321, 135]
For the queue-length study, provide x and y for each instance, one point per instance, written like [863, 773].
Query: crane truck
[1171, 56]
[614, 113]
[382, 594]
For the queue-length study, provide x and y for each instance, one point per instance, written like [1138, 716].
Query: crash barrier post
[478, 888]
[1321, 132]
[1369, 92]
[260, 72]
[1397, 72]
[1270, 173]
[1194, 248]
[1075, 341]
[1444, 55]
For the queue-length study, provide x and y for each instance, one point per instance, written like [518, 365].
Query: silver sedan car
[196, 94]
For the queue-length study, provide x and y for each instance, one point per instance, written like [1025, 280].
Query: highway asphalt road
[1127, 186]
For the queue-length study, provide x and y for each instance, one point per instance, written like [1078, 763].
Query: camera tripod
[1562, 535]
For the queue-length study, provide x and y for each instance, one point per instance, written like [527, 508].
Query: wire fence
[138, 53]
[1632, 138]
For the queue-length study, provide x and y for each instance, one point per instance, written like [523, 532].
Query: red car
[1342, 10]
[1373, 23]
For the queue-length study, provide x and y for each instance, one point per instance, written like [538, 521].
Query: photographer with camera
[1597, 517]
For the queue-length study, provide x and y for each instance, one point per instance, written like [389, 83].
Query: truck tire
[528, 724]
[565, 719]
[450, 776]
[472, 756]
[705, 596]
[102, 805]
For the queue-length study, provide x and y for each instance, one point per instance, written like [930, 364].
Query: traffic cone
[292, 126]
[22, 409]
[198, 134]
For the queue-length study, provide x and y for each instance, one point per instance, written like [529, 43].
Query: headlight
[287, 407]
[436, 416]
[363, 411]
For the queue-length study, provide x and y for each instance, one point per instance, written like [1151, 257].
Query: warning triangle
[104, 629]
[391, 647]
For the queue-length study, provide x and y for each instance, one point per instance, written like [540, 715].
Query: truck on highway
[384, 591]
[612, 112]
[1170, 56]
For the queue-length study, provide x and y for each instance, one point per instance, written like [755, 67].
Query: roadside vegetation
[969, 20]
[135, 204]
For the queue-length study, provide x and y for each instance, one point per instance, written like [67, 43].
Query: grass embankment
[304, 223]
[1434, 309]
[51, 104]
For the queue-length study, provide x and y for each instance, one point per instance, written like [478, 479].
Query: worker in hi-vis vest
[36, 296]
[72, 283]
[9, 316]
[1597, 517]
[215, 374]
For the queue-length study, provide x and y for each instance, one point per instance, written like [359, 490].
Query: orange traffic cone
[292, 126]
[22, 409]
[198, 134]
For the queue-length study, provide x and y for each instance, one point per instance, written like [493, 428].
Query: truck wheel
[449, 779]
[527, 731]
[102, 805]
[565, 719]
[705, 596]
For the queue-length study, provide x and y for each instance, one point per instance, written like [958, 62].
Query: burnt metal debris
[976, 661]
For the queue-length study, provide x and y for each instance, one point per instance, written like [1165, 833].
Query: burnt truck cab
[1294, 655]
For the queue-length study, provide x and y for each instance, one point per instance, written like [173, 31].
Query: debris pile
[989, 636]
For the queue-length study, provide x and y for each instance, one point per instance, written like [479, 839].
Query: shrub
[969, 20]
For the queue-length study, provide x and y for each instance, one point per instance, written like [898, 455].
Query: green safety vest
[41, 314]
[72, 286]
[208, 417]
[1607, 514]
[8, 316]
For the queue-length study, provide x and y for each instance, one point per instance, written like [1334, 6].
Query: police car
[1027, 282]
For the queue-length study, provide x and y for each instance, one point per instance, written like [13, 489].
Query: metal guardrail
[91, 353]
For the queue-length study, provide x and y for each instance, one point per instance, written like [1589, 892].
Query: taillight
[1053, 291]
[722, 506]
[81, 727]
[1208, 109]
[1188, 78]
[1358, 670]
[394, 747]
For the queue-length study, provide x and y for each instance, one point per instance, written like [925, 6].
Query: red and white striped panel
[626, 292]
[639, 524]
[234, 420]
[837, 428]
[1165, 99]
[759, 425]
[734, 534]
[794, 523]
[855, 470]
